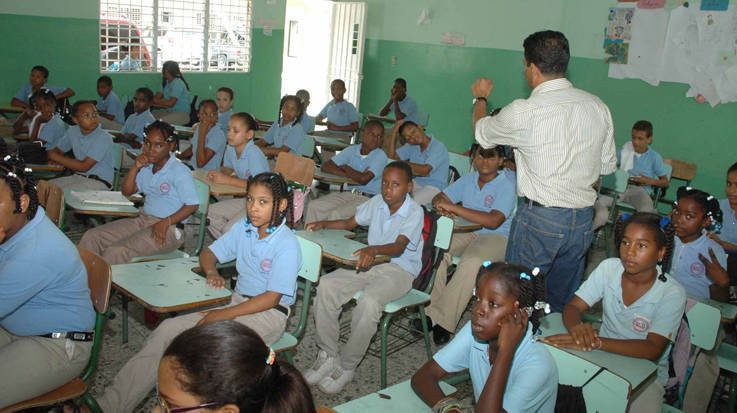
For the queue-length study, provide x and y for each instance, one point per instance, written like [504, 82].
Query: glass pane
[126, 35]
[229, 35]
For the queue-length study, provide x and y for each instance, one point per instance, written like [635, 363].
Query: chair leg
[91, 403]
[732, 403]
[425, 332]
[289, 356]
[385, 322]
[124, 320]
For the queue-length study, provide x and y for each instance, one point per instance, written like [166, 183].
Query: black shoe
[416, 326]
[440, 335]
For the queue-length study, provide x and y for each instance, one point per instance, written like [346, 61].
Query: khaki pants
[449, 299]
[223, 214]
[121, 240]
[638, 197]
[423, 195]
[380, 284]
[337, 205]
[79, 182]
[33, 366]
[175, 118]
[138, 376]
[649, 399]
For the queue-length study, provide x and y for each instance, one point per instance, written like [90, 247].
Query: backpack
[31, 152]
[429, 262]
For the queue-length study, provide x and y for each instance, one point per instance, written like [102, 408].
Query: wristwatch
[476, 99]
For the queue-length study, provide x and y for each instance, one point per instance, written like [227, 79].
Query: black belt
[72, 335]
[530, 202]
[278, 307]
[179, 225]
[97, 178]
[366, 194]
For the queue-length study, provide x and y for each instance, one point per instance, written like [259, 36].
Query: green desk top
[464, 225]
[401, 399]
[97, 209]
[729, 311]
[330, 142]
[332, 178]
[166, 286]
[336, 246]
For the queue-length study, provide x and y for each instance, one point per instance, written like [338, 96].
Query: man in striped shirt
[563, 140]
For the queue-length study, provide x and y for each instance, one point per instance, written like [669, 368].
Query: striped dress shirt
[563, 139]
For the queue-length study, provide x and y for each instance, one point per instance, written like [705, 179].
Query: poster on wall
[720, 5]
[620, 23]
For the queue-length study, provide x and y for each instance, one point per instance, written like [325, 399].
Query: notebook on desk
[102, 197]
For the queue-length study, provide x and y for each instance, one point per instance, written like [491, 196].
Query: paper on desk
[102, 197]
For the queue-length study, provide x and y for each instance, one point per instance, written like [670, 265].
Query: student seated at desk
[428, 158]
[268, 257]
[488, 197]
[400, 106]
[37, 81]
[699, 262]
[395, 223]
[132, 131]
[204, 367]
[510, 370]
[92, 164]
[174, 100]
[208, 140]
[727, 237]
[642, 304]
[43, 290]
[108, 106]
[286, 133]
[341, 115]
[242, 160]
[224, 100]
[363, 163]
[307, 122]
[170, 199]
[45, 124]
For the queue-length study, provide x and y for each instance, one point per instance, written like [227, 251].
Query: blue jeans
[555, 240]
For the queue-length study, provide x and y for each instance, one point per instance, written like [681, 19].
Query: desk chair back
[203, 194]
[295, 168]
[118, 154]
[459, 166]
[308, 147]
[51, 198]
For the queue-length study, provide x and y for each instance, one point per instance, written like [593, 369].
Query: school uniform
[269, 264]
[166, 192]
[532, 384]
[308, 123]
[215, 141]
[223, 118]
[408, 106]
[449, 298]
[127, 64]
[50, 132]
[43, 290]
[688, 269]
[251, 162]
[380, 284]
[341, 113]
[111, 105]
[651, 165]
[136, 122]
[26, 91]
[291, 135]
[435, 155]
[179, 113]
[729, 233]
[342, 205]
[98, 145]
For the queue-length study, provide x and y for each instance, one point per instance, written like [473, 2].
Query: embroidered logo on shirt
[697, 268]
[165, 187]
[640, 324]
[488, 201]
[266, 265]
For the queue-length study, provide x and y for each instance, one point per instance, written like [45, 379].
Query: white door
[347, 43]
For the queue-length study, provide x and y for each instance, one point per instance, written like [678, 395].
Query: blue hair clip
[486, 264]
[524, 276]
[625, 216]
[664, 221]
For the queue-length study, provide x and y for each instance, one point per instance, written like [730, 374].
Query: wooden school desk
[84, 208]
[397, 398]
[329, 178]
[329, 143]
[219, 189]
[164, 287]
[337, 245]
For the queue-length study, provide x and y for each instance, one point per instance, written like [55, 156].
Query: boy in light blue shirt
[108, 106]
[428, 158]
[37, 81]
[46, 125]
[132, 131]
[224, 100]
[362, 163]
[401, 106]
[208, 140]
[341, 115]
[395, 224]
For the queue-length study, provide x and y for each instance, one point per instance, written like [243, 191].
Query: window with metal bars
[200, 35]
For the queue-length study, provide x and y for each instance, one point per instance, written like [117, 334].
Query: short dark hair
[402, 166]
[106, 80]
[732, 168]
[227, 90]
[41, 69]
[78, 105]
[548, 50]
[644, 126]
[248, 119]
[373, 123]
[43, 94]
[401, 81]
[208, 102]
[146, 92]
[404, 125]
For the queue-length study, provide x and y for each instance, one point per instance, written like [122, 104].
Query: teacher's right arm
[502, 129]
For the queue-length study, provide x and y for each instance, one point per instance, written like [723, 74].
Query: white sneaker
[336, 381]
[322, 367]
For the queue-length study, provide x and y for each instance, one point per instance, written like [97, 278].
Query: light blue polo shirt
[216, 141]
[26, 91]
[408, 106]
[308, 123]
[290, 135]
[251, 162]
[532, 385]
[649, 164]
[223, 118]
[341, 113]
[658, 311]
[499, 194]
[98, 145]
[385, 228]
[729, 224]
[112, 106]
[688, 269]
[136, 122]
[269, 264]
[177, 89]
[168, 189]
[43, 282]
[375, 162]
[435, 155]
[53, 131]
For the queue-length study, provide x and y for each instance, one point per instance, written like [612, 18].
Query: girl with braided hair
[286, 133]
[226, 366]
[510, 371]
[171, 198]
[44, 296]
[642, 304]
[267, 256]
[699, 262]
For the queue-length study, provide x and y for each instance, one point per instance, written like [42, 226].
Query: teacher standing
[563, 140]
